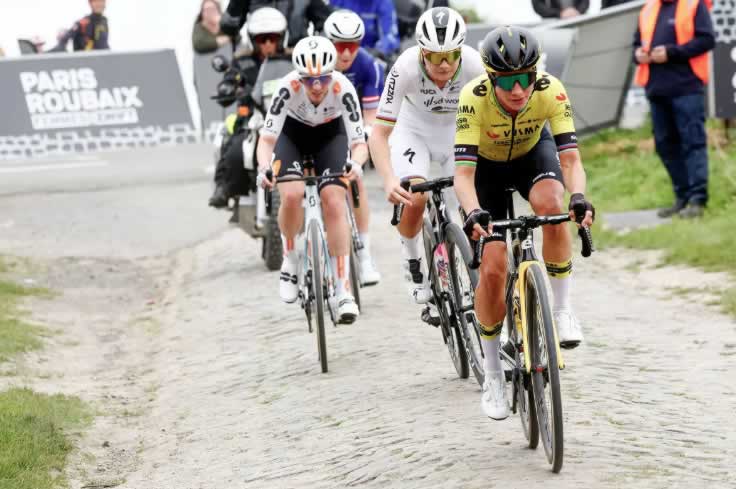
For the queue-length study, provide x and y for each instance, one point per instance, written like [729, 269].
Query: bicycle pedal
[429, 319]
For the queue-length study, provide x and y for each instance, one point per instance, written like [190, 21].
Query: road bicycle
[532, 353]
[316, 279]
[443, 241]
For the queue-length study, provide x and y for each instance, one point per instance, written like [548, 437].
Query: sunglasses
[350, 46]
[263, 38]
[438, 58]
[507, 82]
[309, 81]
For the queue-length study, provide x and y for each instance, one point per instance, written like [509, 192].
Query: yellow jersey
[484, 128]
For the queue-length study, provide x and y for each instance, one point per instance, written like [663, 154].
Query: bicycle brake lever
[587, 239]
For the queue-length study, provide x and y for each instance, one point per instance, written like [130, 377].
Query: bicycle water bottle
[441, 263]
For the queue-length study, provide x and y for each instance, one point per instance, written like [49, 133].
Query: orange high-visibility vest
[684, 32]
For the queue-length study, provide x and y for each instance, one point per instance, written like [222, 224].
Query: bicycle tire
[521, 384]
[451, 334]
[545, 367]
[355, 277]
[316, 260]
[272, 251]
[464, 280]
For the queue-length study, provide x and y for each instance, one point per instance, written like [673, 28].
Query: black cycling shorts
[492, 178]
[326, 145]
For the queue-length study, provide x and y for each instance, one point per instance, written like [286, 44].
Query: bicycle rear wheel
[445, 304]
[464, 280]
[316, 261]
[545, 369]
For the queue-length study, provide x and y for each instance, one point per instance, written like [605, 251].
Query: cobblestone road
[648, 399]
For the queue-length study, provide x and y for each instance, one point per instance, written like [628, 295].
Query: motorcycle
[249, 210]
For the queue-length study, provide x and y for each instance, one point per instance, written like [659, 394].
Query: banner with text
[73, 103]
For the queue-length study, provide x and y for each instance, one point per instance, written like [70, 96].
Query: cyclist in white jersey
[314, 112]
[415, 124]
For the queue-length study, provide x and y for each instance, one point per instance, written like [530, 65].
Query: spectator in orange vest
[671, 48]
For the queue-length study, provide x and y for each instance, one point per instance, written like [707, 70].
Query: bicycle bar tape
[587, 239]
[399, 208]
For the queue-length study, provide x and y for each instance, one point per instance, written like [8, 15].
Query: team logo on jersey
[561, 97]
[466, 109]
[390, 90]
[409, 153]
[441, 17]
[480, 90]
[542, 83]
[492, 135]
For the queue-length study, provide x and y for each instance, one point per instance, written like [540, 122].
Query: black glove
[580, 206]
[229, 25]
[478, 216]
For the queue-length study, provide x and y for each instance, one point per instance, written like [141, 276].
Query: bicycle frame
[313, 213]
[523, 255]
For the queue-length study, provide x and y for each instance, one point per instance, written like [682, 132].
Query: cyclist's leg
[540, 182]
[286, 162]
[369, 275]
[490, 305]
[410, 159]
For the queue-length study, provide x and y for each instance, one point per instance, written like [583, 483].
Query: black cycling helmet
[508, 48]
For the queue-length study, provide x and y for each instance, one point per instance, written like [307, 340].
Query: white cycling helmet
[267, 20]
[440, 29]
[344, 26]
[314, 56]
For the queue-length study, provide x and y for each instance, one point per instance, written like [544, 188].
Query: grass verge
[624, 173]
[34, 442]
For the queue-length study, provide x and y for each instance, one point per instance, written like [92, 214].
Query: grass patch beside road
[33, 437]
[624, 173]
[16, 336]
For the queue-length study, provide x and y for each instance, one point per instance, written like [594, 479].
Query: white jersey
[290, 99]
[412, 100]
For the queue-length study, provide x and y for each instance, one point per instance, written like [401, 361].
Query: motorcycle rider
[299, 13]
[345, 29]
[267, 30]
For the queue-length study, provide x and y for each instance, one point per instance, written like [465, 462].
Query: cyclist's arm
[352, 121]
[467, 136]
[573, 172]
[563, 129]
[380, 151]
[264, 151]
[386, 116]
[369, 116]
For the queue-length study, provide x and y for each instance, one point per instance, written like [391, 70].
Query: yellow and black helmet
[507, 49]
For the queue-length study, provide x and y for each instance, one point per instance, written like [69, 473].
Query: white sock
[365, 238]
[341, 267]
[491, 355]
[560, 276]
[289, 248]
[412, 247]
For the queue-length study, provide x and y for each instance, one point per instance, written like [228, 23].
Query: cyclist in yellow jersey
[501, 140]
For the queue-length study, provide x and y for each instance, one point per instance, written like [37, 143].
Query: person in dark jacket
[206, 35]
[88, 33]
[298, 13]
[560, 9]
[671, 47]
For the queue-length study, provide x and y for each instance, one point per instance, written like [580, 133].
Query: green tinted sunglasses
[507, 82]
[438, 58]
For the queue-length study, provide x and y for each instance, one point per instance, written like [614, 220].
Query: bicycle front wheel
[464, 280]
[545, 369]
[316, 261]
[355, 277]
[444, 301]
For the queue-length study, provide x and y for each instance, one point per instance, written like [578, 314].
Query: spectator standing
[206, 35]
[88, 33]
[560, 9]
[671, 48]
[298, 13]
[381, 24]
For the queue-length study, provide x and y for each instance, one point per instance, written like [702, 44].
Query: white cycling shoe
[568, 329]
[493, 400]
[347, 309]
[288, 288]
[416, 281]
[369, 275]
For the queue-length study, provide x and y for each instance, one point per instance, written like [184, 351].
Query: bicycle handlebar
[531, 222]
[309, 178]
[433, 185]
[399, 208]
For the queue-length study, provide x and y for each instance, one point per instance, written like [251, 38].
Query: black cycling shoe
[428, 318]
[219, 198]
